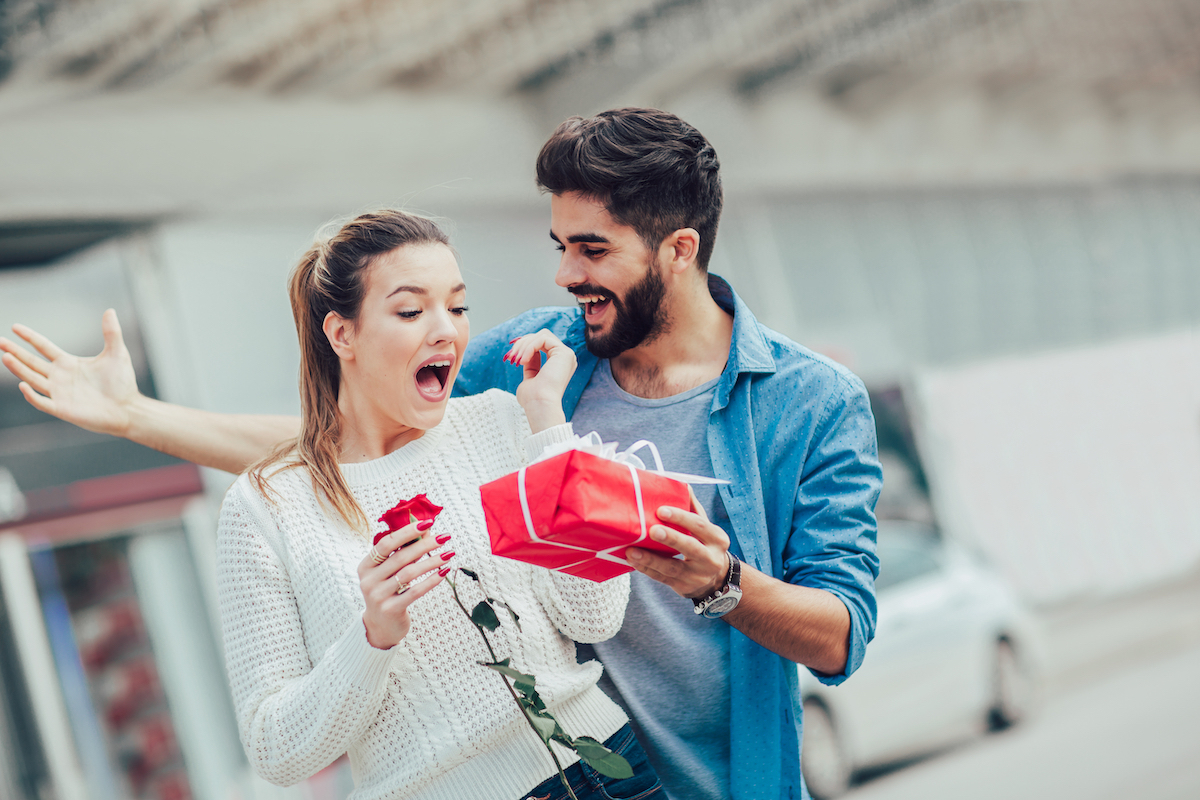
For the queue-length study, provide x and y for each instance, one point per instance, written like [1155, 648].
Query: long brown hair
[332, 277]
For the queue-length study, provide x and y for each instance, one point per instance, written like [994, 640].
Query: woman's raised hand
[96, 393]
[541, 392]
[390, 584]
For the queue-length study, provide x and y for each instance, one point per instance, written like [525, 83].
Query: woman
[335, 646]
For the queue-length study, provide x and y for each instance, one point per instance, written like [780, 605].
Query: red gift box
[580, 512]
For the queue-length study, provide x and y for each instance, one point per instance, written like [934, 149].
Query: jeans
[591, 785]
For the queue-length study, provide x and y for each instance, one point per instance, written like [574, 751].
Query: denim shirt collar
[748, 348]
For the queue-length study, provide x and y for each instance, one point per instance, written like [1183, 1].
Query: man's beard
[636, 318]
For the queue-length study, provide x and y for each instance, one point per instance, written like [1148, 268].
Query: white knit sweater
[423, 719]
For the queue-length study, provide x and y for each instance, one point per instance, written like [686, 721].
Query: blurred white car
[955, 654]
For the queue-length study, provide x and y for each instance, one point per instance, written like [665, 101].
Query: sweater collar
[364, 473]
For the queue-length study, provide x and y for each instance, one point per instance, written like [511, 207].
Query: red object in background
[401, 514]
[148, 750]
[584, 510]
[156, 739]
[127, 688]
[173, 786]
[104, 631]
[123, 678]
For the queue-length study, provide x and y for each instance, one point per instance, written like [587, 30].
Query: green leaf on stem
[484, 616]
[515, 618]
[601, 759]
[545, 726]
[532, 700]
[525, 688]
[469, 574]
[523, 683]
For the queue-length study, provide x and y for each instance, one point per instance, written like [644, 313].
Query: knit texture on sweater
[423, 719]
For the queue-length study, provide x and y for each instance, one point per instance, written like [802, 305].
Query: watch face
[722, 605]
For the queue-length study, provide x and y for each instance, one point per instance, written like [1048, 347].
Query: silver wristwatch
[726, 597]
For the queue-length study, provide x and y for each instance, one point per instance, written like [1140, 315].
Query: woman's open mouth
[432, 377]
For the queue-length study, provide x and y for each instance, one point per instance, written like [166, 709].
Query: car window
[903, 558]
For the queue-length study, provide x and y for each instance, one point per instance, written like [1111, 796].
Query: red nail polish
[444, 571]
[513, 341]
[442, 538]
[424, 524]
[447, 555]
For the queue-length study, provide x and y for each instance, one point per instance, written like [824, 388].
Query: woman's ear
[340, 334]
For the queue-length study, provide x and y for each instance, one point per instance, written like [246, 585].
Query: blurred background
[989, 209]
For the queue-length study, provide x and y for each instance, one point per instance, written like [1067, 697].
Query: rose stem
[511, 691]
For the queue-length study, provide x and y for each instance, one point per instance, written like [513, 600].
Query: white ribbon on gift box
[608, 450]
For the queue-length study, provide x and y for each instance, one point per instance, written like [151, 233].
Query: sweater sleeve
[583, 610]
[294, 717]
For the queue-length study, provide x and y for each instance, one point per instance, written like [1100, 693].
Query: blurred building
[990, 209]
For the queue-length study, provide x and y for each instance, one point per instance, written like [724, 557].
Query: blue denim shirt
[793, 434]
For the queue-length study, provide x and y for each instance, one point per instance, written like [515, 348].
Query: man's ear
[679, 250]
[340, 334]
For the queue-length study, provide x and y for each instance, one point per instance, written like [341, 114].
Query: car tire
[1012, 688]
[823, 760]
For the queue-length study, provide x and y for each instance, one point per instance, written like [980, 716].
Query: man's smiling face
[615, 278]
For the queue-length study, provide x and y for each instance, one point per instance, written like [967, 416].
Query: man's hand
[101, 394]
[705, 562]
[806, 625]
[96, 393]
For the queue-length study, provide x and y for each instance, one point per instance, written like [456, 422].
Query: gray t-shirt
[667, 667]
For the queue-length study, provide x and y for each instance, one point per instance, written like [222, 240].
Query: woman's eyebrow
[422, 290]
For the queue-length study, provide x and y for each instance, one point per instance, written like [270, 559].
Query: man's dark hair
[650, 169]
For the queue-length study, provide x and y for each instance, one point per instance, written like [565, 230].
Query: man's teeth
[588, 299]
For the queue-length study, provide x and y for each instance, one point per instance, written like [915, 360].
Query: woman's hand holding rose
[405, 558]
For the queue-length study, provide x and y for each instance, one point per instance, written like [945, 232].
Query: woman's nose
[444, 329]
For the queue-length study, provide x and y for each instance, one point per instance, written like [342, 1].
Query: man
[666, 352]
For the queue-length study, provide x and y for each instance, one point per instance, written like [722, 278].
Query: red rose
[401, 515]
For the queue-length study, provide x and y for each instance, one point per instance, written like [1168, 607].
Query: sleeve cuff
[362, 665]
[537, 442]
[856, 644]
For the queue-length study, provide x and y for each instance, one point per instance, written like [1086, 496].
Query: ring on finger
[376, 557]
[401, 586]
